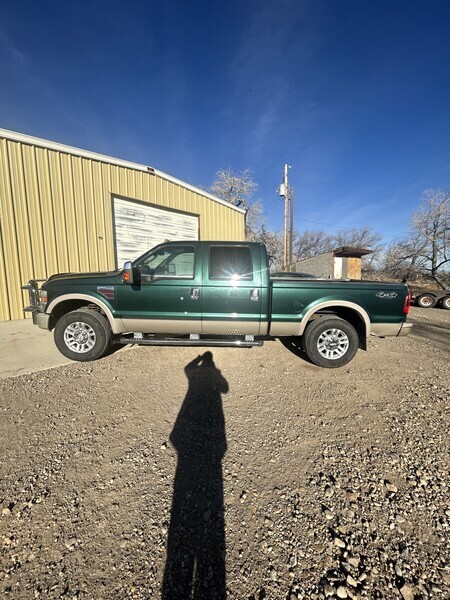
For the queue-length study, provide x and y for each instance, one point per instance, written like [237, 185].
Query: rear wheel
[330, 342]
[83, 335]
[446, 302]
[426, 301]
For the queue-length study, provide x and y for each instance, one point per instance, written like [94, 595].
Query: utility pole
[291, 225]
[286, 192]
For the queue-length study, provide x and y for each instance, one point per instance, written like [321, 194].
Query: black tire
[426, 301]
[330, 342]
[446, 302]
[93, 330]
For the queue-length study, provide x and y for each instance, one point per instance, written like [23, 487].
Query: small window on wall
[230, 262]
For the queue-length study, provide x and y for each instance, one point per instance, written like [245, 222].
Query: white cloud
[10, 47]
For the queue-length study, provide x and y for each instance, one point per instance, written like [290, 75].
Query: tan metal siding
[59, 214]
[10, 294]
[4, 301]
[56, 214]
[107, 210]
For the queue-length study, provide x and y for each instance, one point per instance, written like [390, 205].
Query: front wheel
[82, 335]
[330, 342]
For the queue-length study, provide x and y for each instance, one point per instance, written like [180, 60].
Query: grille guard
[33, 292]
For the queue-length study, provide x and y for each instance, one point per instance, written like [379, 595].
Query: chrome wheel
[79, 337]
[333, 344]
[330, 341]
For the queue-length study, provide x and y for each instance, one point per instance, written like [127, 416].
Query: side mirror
[128, 276]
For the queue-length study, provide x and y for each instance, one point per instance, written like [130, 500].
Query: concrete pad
[24, 348]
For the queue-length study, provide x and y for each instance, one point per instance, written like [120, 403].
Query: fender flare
[114, 323]
[330, 303]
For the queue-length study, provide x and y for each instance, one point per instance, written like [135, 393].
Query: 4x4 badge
[387, 295]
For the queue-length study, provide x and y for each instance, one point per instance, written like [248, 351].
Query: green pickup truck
[214, 294]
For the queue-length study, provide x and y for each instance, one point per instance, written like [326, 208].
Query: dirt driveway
[245, 474]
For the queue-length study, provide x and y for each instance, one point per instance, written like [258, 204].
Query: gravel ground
[247, 474]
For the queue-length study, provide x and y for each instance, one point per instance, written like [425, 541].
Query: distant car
[293, 275]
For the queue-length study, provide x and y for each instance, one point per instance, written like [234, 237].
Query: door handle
[195, 293]
[254, 295]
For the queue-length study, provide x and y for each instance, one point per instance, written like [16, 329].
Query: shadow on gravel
[439, 334]
[195, 565]
[294, 345]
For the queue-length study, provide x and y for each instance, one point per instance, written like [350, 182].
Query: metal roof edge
[35, 141]
[198, 191]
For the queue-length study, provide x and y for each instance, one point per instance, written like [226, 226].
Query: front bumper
[41, 319]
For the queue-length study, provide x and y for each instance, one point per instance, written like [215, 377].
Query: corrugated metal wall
[56, 214]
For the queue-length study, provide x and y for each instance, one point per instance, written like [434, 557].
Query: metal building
[63, 209]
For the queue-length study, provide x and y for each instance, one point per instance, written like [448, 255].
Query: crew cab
[214, 293]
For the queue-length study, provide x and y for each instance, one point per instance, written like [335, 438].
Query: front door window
[168, 262]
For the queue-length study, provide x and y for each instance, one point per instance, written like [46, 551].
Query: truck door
[167, 298]
[231, 289]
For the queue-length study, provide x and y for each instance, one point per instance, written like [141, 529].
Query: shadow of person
[195, 565]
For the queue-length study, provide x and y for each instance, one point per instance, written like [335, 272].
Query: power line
[321, 223]
[337, 226]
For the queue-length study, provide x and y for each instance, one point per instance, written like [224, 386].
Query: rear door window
[230, 263]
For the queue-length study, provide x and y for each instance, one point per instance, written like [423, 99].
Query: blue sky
[354, 94]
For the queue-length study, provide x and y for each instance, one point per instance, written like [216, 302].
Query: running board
[190, 342]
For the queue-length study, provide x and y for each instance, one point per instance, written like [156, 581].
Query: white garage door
[138, 227]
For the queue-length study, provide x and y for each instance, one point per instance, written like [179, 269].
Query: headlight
[44, 296]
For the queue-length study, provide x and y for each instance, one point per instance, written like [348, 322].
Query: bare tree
[431, 225]
[255, 221]
[364, 237]
[238, 188]
[398, 262]
[426, 248]
[312, 243]
[274, 241]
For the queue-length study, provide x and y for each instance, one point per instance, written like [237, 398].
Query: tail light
[407, 304]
